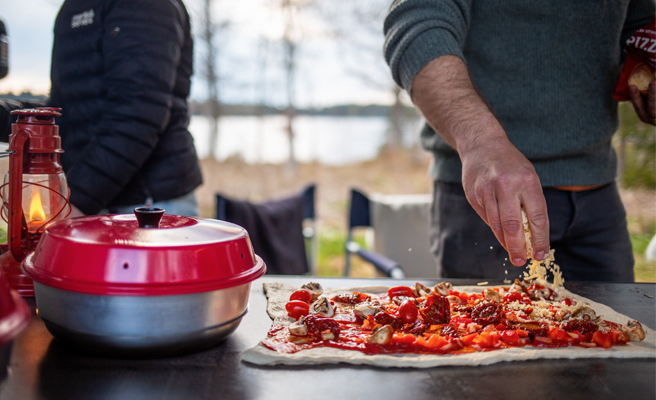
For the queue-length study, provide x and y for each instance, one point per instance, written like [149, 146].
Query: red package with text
[640, 62]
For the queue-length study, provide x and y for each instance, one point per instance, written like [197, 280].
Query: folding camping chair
[282, 231]
[399, 223]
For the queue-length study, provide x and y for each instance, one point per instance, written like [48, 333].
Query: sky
[324, 76]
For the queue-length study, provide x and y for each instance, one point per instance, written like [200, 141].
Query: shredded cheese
[537, 270]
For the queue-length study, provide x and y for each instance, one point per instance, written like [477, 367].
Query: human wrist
[485, 133]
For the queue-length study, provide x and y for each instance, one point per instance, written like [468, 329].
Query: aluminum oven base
[141, 326]
[142, 346]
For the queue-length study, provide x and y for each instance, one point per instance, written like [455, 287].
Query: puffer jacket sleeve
[418, 31]
[141, 51]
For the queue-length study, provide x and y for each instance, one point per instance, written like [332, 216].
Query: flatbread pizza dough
[278, 295]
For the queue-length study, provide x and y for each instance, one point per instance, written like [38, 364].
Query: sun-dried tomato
[533, 329]
[317, 324]
[463, 308]
[436, 310]
[486, 313]
[353, 298]
[384, 318]
[449, 331]
[418, 328]
[583, 326]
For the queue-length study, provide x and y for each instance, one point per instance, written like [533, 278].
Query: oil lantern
[34, 192]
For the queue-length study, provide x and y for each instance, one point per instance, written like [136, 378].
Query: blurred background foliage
[635, 143]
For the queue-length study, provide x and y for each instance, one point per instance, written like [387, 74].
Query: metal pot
[108, 285]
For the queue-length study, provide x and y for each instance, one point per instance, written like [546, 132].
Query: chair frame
[360, 217]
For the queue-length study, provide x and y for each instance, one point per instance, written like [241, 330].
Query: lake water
[327, 140]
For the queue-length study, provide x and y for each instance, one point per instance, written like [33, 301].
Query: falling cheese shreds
[482, 283]
[537, 270]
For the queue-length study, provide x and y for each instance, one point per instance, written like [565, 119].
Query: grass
[331, 256]
[645, 270]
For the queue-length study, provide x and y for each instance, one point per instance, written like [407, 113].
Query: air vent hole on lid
[125, 265]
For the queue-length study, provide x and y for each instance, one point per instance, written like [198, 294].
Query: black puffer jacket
[121, 73]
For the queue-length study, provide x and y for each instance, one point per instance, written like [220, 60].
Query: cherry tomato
[303, 295]
[297, 309]
[568, 302]
[408, 311]
[400, 291]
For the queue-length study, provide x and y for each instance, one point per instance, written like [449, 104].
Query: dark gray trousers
[587, 229]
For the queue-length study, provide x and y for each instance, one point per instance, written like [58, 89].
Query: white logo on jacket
[82, 19]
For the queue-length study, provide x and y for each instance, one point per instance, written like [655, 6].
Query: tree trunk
[395, 131]
[290, 68]
[211, 77]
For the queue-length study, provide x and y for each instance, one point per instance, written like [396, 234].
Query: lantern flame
[36, 208]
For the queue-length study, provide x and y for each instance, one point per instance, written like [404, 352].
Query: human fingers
[493, 219]
[535, 207]
[480, 195]
[510, 217]
[641, 106]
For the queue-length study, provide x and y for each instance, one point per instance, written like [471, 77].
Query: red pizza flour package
[640, 62]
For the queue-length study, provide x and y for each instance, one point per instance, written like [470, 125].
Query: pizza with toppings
[419, 326]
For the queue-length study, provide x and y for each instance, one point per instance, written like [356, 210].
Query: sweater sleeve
[141, 50]
[418, 31]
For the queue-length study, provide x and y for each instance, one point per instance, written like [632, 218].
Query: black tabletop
[43, 368]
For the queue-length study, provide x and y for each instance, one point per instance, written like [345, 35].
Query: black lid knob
[148, 217]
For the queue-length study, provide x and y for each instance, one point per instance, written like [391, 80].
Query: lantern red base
[16, 279]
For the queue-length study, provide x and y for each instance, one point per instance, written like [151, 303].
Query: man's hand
[645, 106]
[498, 179]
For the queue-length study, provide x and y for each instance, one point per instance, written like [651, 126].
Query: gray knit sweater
[547, 69]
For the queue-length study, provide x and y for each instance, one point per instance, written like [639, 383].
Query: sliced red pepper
[400, 337]
[559, 334]
[433, 342]
[468, 339]
[487, 339]
[618, 337]
[602, 339]
[510, 336]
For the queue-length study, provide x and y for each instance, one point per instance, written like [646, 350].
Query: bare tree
[209, 32]
[292, 35]
[358, 27]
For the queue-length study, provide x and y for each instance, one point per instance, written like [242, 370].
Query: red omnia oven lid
[14, 312]
[112, 255]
